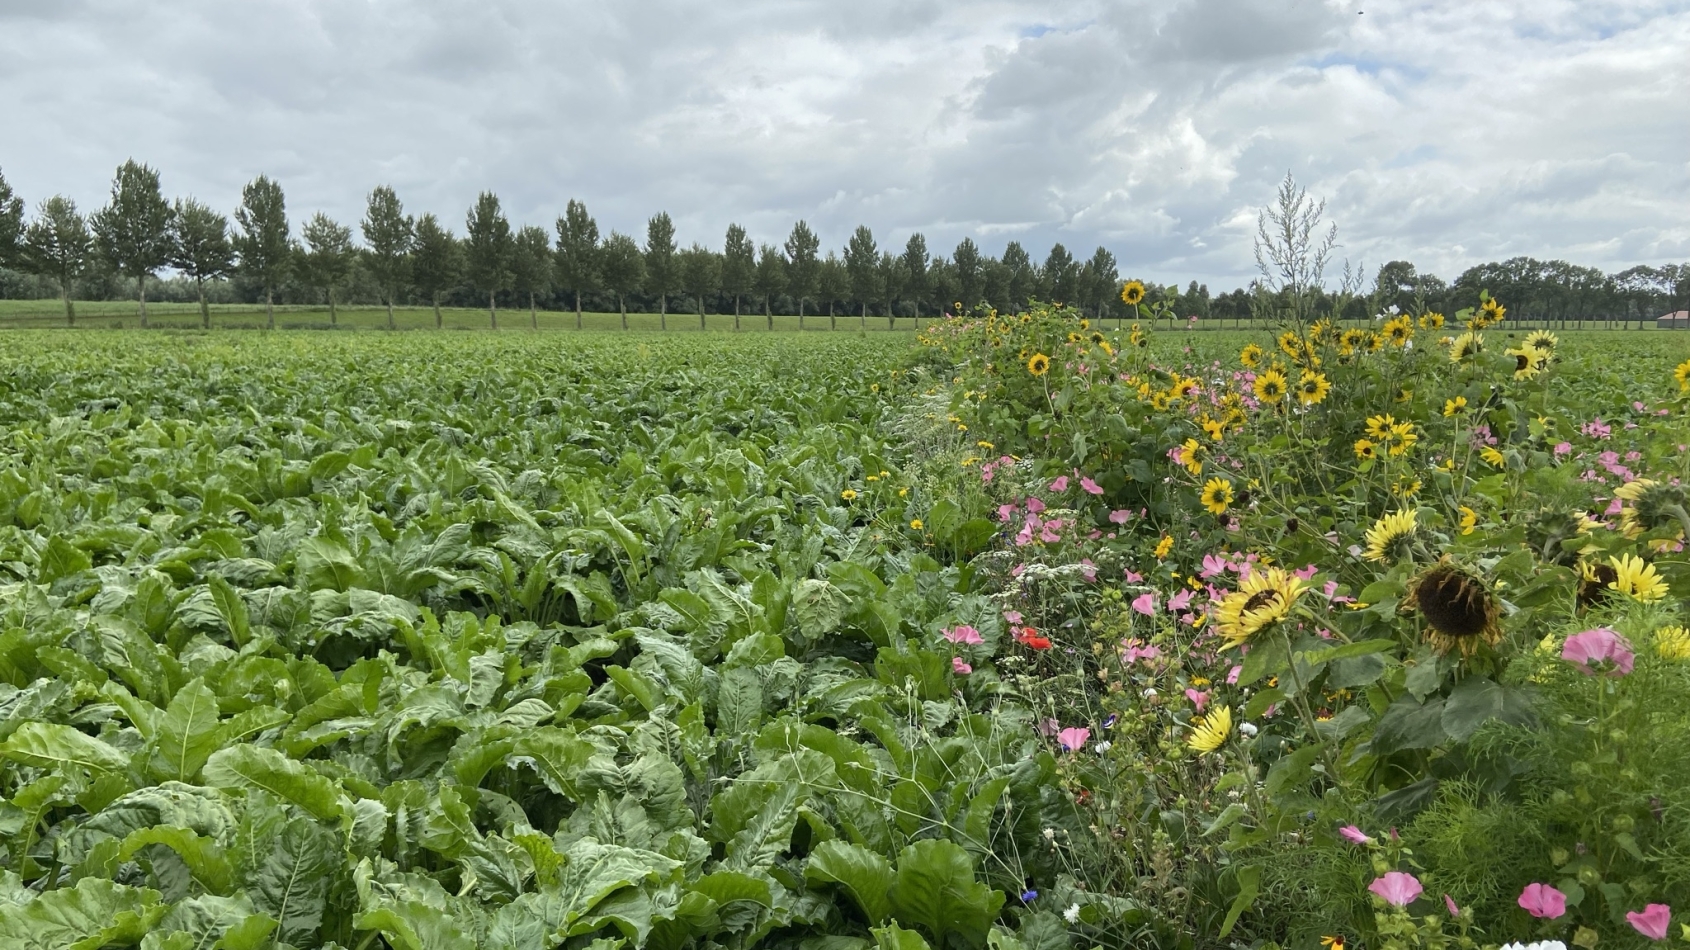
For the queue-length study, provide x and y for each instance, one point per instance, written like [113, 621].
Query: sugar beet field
[1020, 634]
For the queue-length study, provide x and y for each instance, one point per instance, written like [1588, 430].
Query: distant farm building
[1676, 320]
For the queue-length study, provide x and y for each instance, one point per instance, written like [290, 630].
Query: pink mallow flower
[1134, 650]
[1449, 904]
[1091, 487]
[1179, 601]
[1060, 484]
[1034, 505]
[1120, 516]
[1563, 448]
[1199, 698]
[1145, 604]
[959, 667]
[964, 634]
[1598, 650]
[1073, 739]
[1651, 921]
[1542, 900]
[1396, 888]
[1355, 835]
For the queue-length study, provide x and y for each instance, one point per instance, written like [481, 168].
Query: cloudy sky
[1445, 132]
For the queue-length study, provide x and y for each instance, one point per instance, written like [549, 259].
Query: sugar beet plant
[474, 643]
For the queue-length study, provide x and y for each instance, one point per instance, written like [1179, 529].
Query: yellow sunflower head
[1132, 293]
[1312, 387]
[1212, 731]
[1217, 495]
[1351, 340]
[1635, 578]
[1366, 449]
[1251, 356]
[1432, 321]
[1262, 599]
[1269, 387]
[1466, 346]
[1681, 375]
[1542, 340]
[1651, 506]
[1399, 330]
[1038, 364]
[1673, 643]
[1390, 536]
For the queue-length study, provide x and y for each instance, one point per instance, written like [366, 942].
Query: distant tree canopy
[50, 250]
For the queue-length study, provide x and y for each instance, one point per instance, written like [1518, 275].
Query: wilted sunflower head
[1650, 505]
[1459, 611]
[1264, 598]
[1390, 536]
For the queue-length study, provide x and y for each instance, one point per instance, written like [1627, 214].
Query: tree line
[398, 259]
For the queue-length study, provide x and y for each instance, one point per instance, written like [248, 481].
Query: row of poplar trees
[139, 233]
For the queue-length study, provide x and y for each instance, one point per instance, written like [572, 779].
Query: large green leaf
[292, 884]
[934, 889]
[92, 914]
[413, 925]
[187, 734]
[250, 766]
[861, 873]
[49, 745]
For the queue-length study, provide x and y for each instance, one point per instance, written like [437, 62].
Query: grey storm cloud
[1445, 132]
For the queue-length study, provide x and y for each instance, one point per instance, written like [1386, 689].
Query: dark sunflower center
[1453, 603]
[1260, 599]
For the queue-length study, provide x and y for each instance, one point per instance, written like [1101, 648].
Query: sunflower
[1401, 438]
[1312, 387]
[1213, 428]
[1682, 376]
[1251, 357]
[1212, 732]
[1038, 364]
[1673, 643]
[1652, 506]
[1320, 331]
[1269, 387]
[1543, 340]
[1138, 337]
[1097, 338]
[1466, 346]
[1469, 520]
[1366, 449]
[1290, 344]
[1073, 337]
[1190, 455]
[1350, 340]
[1457, 608]
[1379, 427]
[1492, 311]
[1132, 293]
[1217, 495]
[1595, 584]
[1264, 598]
[1399, 330]
[1454, 407]
[849, 494]
[1493, 457]
[1637, 579]
[1432, 321]
[1375, 342]
[1389, 536]
[1528, 361]
[916, 524]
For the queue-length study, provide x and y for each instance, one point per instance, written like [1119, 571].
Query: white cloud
[1442, 132]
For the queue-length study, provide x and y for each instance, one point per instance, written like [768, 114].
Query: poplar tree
[862, 261]
[132, 233]
[326, 260]
[264, 245]
[915, 272]
[387, 239]
[437, 262]
[662, 275]
[739, 266]
[11, 225]
[623, 267]
[531, 268]
[803, 269]
[701, 271]
[57, 245]
[577, 265]
[202, 249]
[489, 249]
[771, 278]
